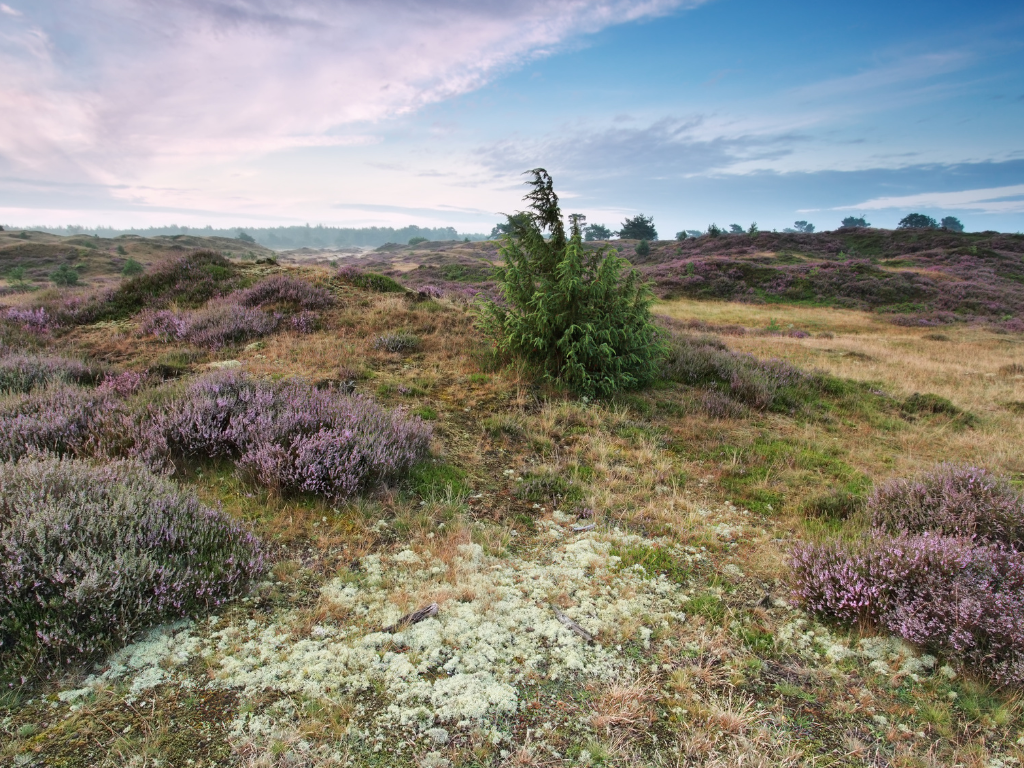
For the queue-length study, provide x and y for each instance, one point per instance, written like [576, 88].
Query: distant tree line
[306, 236]
[641, 227]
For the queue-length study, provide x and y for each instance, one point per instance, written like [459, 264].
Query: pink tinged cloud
[151, 82]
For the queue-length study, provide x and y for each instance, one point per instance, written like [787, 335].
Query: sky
[395, 112]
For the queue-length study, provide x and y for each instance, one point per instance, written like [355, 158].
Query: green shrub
[132, 268]
[371, 281]
[417, 240]
[425, 412]
[643, 248]
[65, 275]
[928, 404]
[581, 316]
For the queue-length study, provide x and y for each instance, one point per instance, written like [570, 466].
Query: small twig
[413, 618]
[583, 528]
[565, 620]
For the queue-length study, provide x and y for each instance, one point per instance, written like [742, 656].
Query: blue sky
[235, 112]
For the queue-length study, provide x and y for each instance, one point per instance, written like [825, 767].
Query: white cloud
[993, 200]
[146, 81]
[4, 8]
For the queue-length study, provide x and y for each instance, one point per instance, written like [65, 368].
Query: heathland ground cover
[769, 426]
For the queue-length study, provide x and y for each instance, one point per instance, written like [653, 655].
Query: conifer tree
[581, 316]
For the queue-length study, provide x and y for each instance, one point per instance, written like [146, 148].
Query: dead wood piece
[566, 621]
[413, 618]
[583, 528]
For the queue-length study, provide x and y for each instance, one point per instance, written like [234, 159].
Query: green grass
[425, 412]
[656, 561]
[708, 606]
[548, 487]
[434, 480]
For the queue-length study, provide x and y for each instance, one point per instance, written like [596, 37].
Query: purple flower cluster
[24, 372]
[305, 322]
[286, 290]
[61, 419]
[35, 320]
[942, 568]
[952, 500]
[288, 436]
[219, 324]
[123, 384]
[90, 556]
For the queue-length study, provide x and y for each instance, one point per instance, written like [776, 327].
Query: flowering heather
[89, 556]
[953, 501]
[305, 322]
[35, 320]
[762, 384]
[24, 372]
[947, 594]
[217, 325]
[289, 291]
[60, 419]
[123, 384]
[288, 436]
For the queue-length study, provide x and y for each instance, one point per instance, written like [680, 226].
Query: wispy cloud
[4, 8]
[994, 200]
[138, 81]
[676, 147]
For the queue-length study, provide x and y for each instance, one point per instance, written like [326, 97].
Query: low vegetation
[92, 555]
[437, 556]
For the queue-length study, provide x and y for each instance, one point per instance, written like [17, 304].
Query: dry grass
[709, 693]
[974, 369]
[624, 706]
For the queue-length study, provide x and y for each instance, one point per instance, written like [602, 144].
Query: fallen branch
[583, 528]
[412, 618]
[566, 621]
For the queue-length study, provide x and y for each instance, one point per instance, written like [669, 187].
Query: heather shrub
[401, 341]
[291, 292]
[944, 593]
[704, 361]
[224, 324]
[219, 324]
[93, 555]
[305, 322]
[288, 436]
[24, 372]
[929, 404]
[719, 406]
[60, 419]
[34, 320]
[953, 501]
